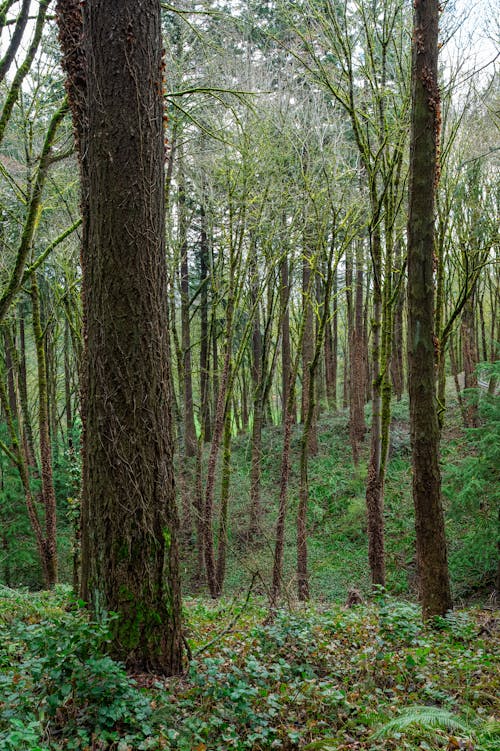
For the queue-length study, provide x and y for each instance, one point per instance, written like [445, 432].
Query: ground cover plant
[369, 677]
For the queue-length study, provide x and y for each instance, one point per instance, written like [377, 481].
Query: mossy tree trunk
[424, 173]
[48, 491]
[129, 545]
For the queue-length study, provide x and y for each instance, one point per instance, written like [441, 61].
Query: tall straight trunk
[482, 324]
[335, 341]
[224, 397]
[308, 295]
[199, 513]
[28, 440]
[204, 334]
[18, 458]
[307, 345]
[454, 372]
[190, 441]
[48, 492]
[397, 370]
[470, 360]
[424, 427]
[331, 349]
[357, 426]
[375, 484]
[328, 367]
[129, 523]
[9, 344]
[279, 545]
[244, 401]
[215, 364]
[224, 504]
[258, 388]
[350, 325]
[286, 357]
[302, 570]
[68, 408]
[208, 510]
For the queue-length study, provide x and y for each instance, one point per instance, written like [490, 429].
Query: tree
[424, 426]
[129, 546]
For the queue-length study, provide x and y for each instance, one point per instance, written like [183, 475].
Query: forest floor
[325, 677]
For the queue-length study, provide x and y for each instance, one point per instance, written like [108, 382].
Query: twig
[231, 623]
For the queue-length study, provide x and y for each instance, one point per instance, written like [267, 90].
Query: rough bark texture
[130, 550]
[431, 544]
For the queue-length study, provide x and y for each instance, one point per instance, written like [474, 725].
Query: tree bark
[357, 388]
[48, 492]
[130, 559]
[204, 335]
[190, 440]
[424, 428]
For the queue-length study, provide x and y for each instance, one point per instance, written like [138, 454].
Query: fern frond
[426, 717]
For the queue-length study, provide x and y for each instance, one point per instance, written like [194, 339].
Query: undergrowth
[370, 678]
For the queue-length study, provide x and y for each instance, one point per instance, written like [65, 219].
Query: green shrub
[57, 683]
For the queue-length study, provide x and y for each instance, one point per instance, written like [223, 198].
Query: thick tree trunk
[424, 173]
[130, 560]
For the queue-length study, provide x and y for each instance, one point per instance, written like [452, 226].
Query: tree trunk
[48, 492]
[130, 559]
[28, 440]
[357, 426]
[424, 174]
[286, 357]
[470, 360]
[190, 441]
[375, 484]
[397, 371]
[224, 504]
[204, 335]
[258, 388]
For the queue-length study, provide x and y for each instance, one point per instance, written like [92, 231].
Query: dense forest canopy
[249, 312]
